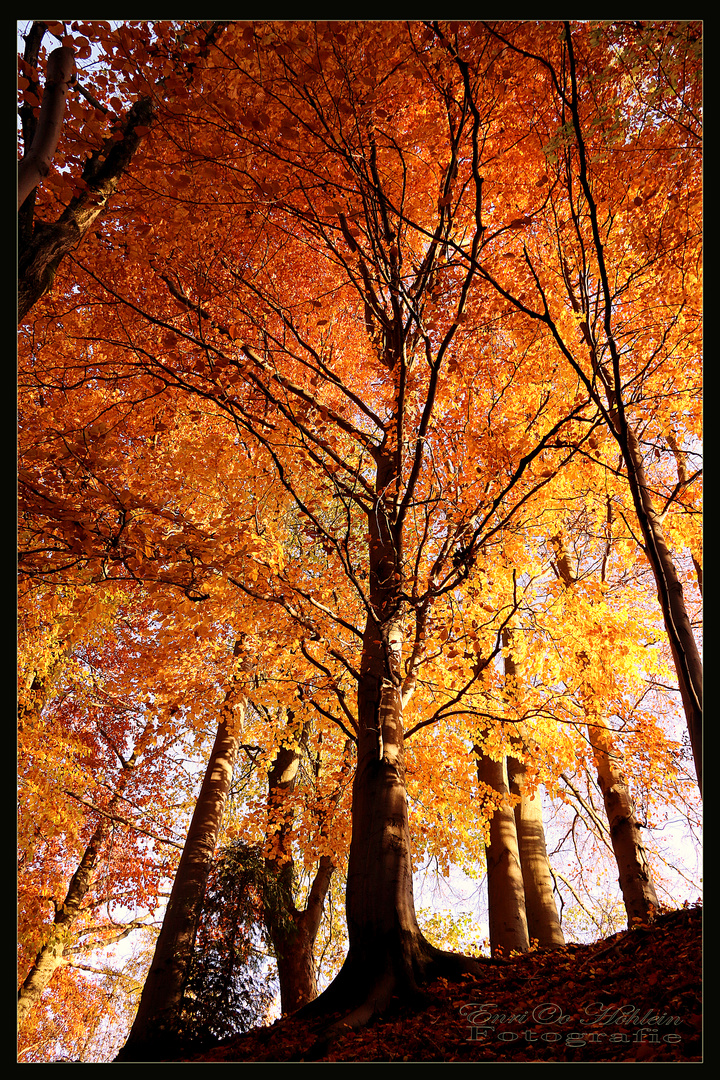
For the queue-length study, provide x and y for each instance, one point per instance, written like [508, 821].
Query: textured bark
[51, 956]
[387, 953]
[633, 869]
[506, 890]
[156, 1026]
[49, 243]
[540, 908]
[36, 163]
[293, 931]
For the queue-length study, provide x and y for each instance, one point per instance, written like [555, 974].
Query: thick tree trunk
[633, 869]
[387, 952]
[506, 890]
[543, 922]
[155, 1030]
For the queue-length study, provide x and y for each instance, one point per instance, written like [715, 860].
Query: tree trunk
[506, 891]
[634, 872]
[51, 956]
[292, 931]
[293, 934]
[40, 257]
[541, 910]
[634, 878]
[543, 923]
[387, 952]
[683, 646]
[37, 161]
[156, 1027]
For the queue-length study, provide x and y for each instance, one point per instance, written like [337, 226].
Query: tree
[101, 160]
[101, 781]
[603, 298]
[538, 887]
[293, 930]
[315, 305]
[506, 891]
[158, 1019]
[51, 954]
[639, 897]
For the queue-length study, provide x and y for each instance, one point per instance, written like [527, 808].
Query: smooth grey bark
[505, 886]
[541, 911]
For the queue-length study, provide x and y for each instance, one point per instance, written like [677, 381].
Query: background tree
[608, 258]
[158, 1021]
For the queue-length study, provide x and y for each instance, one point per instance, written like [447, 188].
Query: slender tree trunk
[51, 956]
[293, 933]
[683, 646]
[634, 872]
[37, 161]
[541, 910]
[634, 877]
[684, 481]
[157, 1024]
[42, 248]
[543, 923]
[506, 890]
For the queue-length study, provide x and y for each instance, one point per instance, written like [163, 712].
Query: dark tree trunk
[49, 243]
[387, 953]
[293, 932]
[155, 1032]
[683, 646]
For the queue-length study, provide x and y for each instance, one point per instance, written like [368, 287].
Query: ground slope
[633, 997]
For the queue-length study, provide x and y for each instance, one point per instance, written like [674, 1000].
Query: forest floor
[635, 996]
